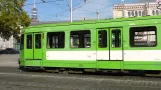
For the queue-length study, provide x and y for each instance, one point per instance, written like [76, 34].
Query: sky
[56, 10]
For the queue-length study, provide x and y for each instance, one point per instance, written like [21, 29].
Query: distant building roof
[46, 22]
[54, 22]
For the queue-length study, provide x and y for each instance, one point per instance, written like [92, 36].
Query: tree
[12, 18]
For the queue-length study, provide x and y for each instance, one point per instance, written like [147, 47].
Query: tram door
[116, 50]
[29, 46]
[103, 49]
[38, 46]
[109, 46]
[33, 46]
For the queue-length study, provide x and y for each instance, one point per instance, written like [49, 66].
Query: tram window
[116, 38]
[38, 41]
[56, 40]
[22, 42]
[29, 41]
[102, 36]
[143, 36]
[80, 39]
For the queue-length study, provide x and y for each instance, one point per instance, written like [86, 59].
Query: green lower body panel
[142, 65]
[127, 65]
[109, 64]
[70, 64]
[32, 62]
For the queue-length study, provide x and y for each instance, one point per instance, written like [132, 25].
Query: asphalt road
[13, 79]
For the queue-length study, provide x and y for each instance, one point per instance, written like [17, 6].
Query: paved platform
[9, 60]
[11, 78]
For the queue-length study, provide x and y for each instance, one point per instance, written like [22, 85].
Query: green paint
[32, 63]
[124, 24]
[123, 65]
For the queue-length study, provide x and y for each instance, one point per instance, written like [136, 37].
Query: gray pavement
[13, 79]
[9, 60]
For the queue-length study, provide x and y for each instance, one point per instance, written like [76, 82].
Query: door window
[29, 41]
[116, 38]
[102, 39]
[38, 41]
[22, 42]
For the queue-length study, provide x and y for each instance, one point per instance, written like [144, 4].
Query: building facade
[7, 43]
[135, 10]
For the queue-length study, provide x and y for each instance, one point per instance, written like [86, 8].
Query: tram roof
[111, 23]
[101, 23]
[55, 23]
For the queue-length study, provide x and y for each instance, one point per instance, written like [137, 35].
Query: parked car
[9, 51]
[1, 51]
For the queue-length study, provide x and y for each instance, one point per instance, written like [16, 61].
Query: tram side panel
[77, 51]
[143, 51]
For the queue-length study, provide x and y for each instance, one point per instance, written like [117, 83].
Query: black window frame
[119, 39]
[28, 45]
[78, 33]
[38, 41]
[131, 36]
[102, 39]
[58, 45]
[22, 42]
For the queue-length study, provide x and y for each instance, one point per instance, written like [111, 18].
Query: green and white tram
[113, 44]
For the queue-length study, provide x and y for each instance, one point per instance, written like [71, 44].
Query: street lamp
[71, 10]
[123, 6]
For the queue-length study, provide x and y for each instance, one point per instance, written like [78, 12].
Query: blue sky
[59, 10]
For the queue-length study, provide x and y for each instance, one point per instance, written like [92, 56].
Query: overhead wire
[84, 5]
[61, 13]
[91, 12]
[40, 2]
[80, 8]
[58, 5]
[67, 3]
[102, 4]
[93, 1]
[51, 2]
[68, 9]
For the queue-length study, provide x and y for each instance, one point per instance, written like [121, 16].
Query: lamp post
[123, 12]
[97, 12]
[71, 10]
